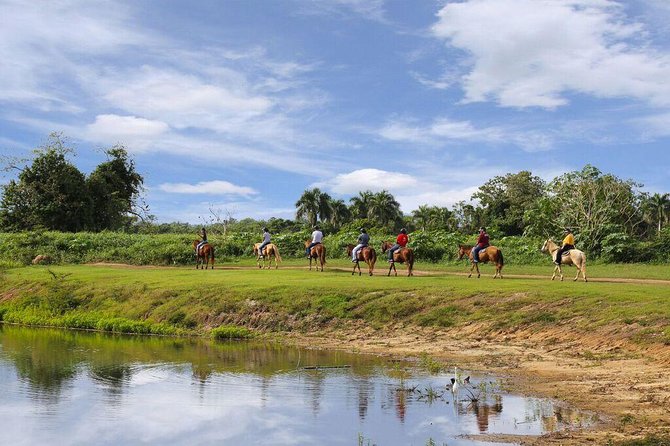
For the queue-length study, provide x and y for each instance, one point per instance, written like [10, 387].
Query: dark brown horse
[367, 255]
[318, 252]
[402, 255]
[204, 255]
[269, 252]
[488, 254]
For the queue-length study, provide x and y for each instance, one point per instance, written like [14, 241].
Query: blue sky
[242, 105]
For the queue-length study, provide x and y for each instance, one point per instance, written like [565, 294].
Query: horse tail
[502, 260]
[323, 254]
[277, 256]
[410, 260]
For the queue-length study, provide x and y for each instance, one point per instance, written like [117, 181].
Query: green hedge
[176, 249]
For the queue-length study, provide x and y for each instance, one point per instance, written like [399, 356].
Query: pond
[79, 388]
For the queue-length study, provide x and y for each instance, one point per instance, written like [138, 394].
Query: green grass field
[183, 300]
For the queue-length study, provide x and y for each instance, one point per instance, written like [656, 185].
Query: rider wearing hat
[568, 244]
[266, 241]
[363, 240]
[400, 242]
[317, 236]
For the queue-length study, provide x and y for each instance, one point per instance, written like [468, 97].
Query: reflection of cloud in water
[192, 396]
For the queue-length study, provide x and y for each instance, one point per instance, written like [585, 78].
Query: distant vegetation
[612, 218]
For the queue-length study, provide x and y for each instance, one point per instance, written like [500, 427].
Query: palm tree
[422, 216]
[659, 207]
[384, 208]
[360, 205]
[340, 213]
[307, 206]
[325, 206]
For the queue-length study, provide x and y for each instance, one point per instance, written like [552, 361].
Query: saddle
[359, 256]
[566, 253]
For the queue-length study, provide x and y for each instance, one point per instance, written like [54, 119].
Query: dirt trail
[402, 272]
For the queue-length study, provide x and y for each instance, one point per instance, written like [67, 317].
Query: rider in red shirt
[482, 243]
[400, 242]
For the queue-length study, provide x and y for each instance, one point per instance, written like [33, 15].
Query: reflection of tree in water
[46, 363]
[114, 378]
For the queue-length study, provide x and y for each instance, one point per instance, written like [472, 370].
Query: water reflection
[81, 388]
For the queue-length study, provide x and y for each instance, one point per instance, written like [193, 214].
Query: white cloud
[216, 187]
[184, 100]
[532, 52]
[367, 179]
[131, 130]
[444, 130]
[653, 126]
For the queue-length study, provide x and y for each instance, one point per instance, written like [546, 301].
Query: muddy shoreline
[626, 385]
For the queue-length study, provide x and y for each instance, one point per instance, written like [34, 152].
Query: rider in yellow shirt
[568, 244]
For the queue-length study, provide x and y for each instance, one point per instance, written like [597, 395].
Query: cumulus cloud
[527, 53]
[216, 187]
[367, 179]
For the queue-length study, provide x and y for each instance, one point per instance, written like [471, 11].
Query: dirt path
[403, 272]
[628, 387]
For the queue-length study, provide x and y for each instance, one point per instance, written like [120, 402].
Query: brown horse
[269, 252]
[488, 254]
[402, 255]
[204, 255]
[318, 252]
[573, 257]
[367, 255]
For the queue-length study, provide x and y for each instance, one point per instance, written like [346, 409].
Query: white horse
[573, 257]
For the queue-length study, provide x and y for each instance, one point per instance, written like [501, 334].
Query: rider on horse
[317, 236]
[568, 244]
[482, 243]
[400, 242]
[203, 240]
[266, 241]
[363, 241]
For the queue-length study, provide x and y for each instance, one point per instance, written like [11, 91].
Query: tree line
[608, 214]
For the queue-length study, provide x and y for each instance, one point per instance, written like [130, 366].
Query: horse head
[545, 246]
[461, 251]
[385, 246]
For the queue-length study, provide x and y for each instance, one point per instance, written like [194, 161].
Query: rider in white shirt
[317, 237]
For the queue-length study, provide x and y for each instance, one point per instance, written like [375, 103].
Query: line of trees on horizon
[608, 214]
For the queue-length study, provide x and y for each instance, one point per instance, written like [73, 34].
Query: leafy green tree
[596, 205]
[506, 198]
[434, 218]
[114, 188]
[468, 217]
[51, 193]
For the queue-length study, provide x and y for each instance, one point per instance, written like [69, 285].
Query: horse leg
[390, 268]
[472, 268]
[478, 273]
[354, 270]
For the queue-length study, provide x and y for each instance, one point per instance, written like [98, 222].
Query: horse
[402, 255]
[488, 254]
[270, 251]
[205, 254]
[573, 257]
[366, 254]
[318, 252]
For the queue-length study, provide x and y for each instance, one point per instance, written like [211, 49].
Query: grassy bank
[186, 301]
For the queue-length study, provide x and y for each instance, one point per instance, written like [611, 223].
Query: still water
[78, 388]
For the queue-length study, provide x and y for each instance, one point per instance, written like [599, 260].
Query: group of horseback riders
[483, 242]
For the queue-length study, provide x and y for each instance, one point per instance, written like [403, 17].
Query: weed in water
[231, 332]
[433, 366]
